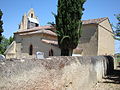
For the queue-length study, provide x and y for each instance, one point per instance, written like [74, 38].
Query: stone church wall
[89, 40]
[38, 46]
[105, 39]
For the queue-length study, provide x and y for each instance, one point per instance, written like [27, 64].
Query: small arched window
[51, 52]
[31, 15]
[30, 50]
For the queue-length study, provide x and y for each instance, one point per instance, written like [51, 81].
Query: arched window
[51, 52]
[30, 50]
[31, 15]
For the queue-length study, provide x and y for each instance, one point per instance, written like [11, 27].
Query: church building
[97, 39]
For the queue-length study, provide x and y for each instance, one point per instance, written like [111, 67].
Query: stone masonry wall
[54, 73]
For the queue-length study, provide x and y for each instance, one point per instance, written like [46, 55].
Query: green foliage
[117, 27]
[117, 58]
[51, 23]
[5, 43]
[11, 39]
[68, 23]
[1, 23]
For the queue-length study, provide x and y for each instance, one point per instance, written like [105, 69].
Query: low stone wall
[54, 73]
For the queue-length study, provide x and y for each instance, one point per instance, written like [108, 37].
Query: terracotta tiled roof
[94, 21]
[43, 31]
[78, 50]
[35, 29]
[46, 29]
[50, 42]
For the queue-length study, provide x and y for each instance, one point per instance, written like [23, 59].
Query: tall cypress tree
[1, 23]
[68, 24]
[117, 27]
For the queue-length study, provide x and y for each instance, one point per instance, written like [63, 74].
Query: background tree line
[4, 42]
[117, 27]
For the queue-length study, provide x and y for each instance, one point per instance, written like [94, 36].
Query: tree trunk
[66, 52]
[70, 52]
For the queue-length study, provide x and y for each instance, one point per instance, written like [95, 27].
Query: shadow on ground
[114, 77]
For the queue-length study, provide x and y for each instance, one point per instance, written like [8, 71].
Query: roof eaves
[103, 20]
[90, 23]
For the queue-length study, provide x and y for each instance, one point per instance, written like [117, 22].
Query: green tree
[1, 23]
[117, 27]
[11, 39]
[68, 24]
[5, 43]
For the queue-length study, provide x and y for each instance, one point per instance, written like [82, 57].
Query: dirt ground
[111, 82]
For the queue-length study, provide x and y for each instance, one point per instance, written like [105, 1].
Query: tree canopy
[5, 43]
[1, 23]
[68, 24]
[117, 27]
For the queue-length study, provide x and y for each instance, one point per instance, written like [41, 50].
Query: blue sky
[14, 9]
